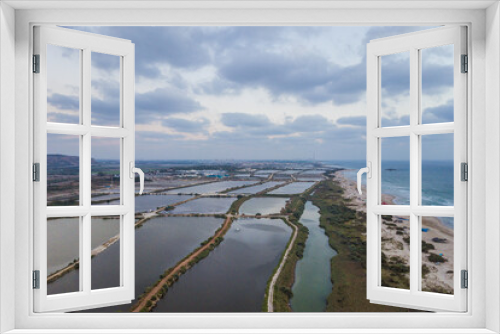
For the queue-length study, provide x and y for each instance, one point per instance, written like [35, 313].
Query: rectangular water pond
[256, 189]
[263, 205]
[159, 244]
[205, 205]
[62, 236]
[148, 203]
[210, 188]
[233, 278]
[293, 188]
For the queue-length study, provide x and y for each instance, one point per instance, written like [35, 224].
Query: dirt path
[270, 295]
[184, 263]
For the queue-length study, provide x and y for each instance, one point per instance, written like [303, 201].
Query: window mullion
[86, 246]
[414, 169]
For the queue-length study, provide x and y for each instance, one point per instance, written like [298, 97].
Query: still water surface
[263, 205]
[205, 205]
[210, 188]
[312, 274]
[63, 239]
[160, 243]
[147, 203]
[257, 188]
[292, 188]
[234, 276]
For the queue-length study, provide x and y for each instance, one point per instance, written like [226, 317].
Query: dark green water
[312, 274]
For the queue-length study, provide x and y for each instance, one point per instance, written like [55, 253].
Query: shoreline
[437, 244]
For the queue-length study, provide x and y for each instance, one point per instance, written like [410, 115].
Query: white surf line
[270, 295]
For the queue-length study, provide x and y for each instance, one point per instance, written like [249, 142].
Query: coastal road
[270, 295]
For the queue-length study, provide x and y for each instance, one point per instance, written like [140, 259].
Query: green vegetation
[394, 272]
[283, 288]
[235, 207]
[266, 295]
[426, 247]
[346, 231]
[436, 258]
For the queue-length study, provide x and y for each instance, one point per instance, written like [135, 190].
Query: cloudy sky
[250, 92]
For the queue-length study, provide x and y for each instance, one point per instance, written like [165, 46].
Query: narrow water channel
[312, 273]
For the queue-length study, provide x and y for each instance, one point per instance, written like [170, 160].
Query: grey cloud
[354, 121]
[257, 57]
[244, 120]
[63, 118]
[64, 102]
[184, 125]
[261, 125]
[106, 110]
[436, 77]
[439, 114]
[155, 135]
[396, 121]
[310, 123]
[179, 46]
[149, 105]
[162, 102]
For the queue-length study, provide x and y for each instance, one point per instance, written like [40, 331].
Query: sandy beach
[437, 242]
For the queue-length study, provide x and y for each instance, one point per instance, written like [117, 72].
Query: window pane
[395, 89]
[437, 84]
[437, 170]
[437, 254]
[63, 252]
[395, 170]
[105, 169]
[63, 84]
[63, 170]
[105, 89]
[105, 232]
[395, 246]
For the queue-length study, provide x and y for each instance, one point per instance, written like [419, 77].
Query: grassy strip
[346, 231]
[266, 295]
[284, 283]
[235, 206]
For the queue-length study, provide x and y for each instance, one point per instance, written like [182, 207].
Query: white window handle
[368, 171]
[139, 171]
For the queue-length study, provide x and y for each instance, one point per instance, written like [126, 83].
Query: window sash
[86, 297]
[413, 298]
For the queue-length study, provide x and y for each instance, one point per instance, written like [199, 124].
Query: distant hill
[63, 161]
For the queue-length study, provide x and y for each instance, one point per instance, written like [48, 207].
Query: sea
[437, 181]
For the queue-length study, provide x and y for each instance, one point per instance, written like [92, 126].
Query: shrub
[425, 270]
[436, 258]
[426, 247]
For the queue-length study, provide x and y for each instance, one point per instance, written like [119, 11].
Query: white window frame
[413, 44]
[86, 44]
[483, 211]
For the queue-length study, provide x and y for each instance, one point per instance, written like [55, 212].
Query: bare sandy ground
[395, 239]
